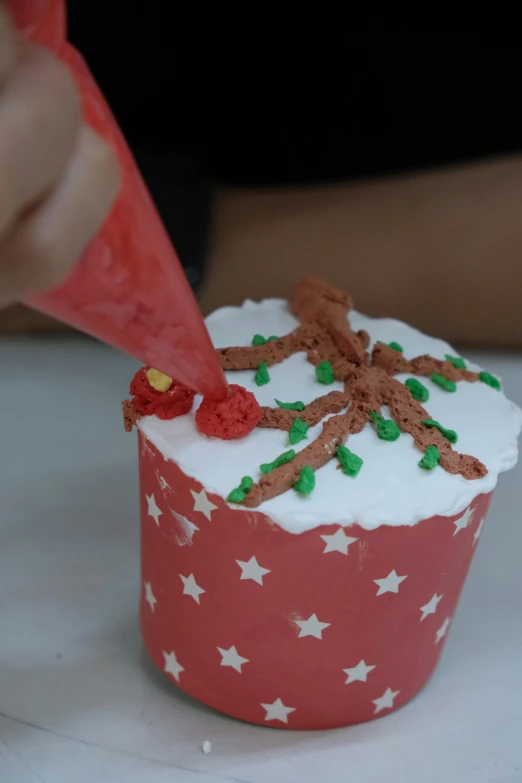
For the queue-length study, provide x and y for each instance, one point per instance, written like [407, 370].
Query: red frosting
[232, 418]
[176, 401]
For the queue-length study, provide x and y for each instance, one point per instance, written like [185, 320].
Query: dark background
[394, 101]
[200, 116]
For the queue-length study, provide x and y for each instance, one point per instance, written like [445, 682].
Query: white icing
[390, 489]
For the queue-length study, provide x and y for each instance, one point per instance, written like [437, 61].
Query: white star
[385, 701]
[232, 658]
[202, 503]
[252, 570]
[358, 673]
[277, 711]
[153, 510]
[172, 666]
[390, 584]
[190, 587]
[311, 627]
[149, 595]
[478, 531]
[441, 633]
[430, 607]
[338, 542]
[463, 521]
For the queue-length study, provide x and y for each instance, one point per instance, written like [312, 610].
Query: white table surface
[79, 699]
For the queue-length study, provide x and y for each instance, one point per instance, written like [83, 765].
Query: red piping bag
[128, 289]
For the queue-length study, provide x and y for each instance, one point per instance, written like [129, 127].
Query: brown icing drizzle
[248, 358]
[409, 414]
[333, 434]
[394, 362]
[325, 334]
[130, 415]
[313, 413]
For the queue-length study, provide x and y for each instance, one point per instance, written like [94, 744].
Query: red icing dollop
[176, 401]
[232, 418]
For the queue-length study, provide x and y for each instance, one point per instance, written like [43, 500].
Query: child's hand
[58, 179]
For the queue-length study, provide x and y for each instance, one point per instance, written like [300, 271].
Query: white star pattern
[172, 666]
[277, 711]
[149, 595]
[478, 531]
[202, 503]
[338, 542]
[153, 510]
[311, 627]
[358, 673]
[441, 633]
[252, 570]
[190, 587]
[463, 521]
[385, 702]
[282, 611]
[430, 607]
[390, 584]
[232, 658]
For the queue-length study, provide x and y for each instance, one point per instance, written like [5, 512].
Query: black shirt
[393, 102]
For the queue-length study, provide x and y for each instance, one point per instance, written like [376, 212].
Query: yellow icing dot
[159, 380]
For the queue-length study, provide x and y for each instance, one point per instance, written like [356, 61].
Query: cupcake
[306, 540]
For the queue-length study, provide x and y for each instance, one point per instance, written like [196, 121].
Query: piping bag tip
[128, 289]
[140, 304]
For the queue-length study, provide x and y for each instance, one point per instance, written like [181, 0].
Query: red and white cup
[329, 628]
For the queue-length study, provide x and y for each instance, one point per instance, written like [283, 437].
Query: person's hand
[58, 179]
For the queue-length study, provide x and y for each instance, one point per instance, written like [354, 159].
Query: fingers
[39, 124]
[58, 179]
[8, 43]
[46, 244]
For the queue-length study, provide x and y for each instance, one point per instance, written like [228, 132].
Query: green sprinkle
[236, 496]
[291, 406]
[239, 493]
[246, 483]
[457, 361]
[450, 435]
[324, 373]
[262, 377]
[297, 431]
[306, 481]
[394, 345]
[486, 377]
[258, 339]
[431, 458]
[443, 382]
[350, 462]
[268, 467]
[386, 428]
[418, 391]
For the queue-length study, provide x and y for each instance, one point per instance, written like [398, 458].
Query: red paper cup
[328, 628]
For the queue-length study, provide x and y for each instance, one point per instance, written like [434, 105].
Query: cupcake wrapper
[329, 628]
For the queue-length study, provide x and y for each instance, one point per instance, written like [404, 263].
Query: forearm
[440, 250]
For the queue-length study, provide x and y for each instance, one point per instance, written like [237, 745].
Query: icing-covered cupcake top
[358, 420]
